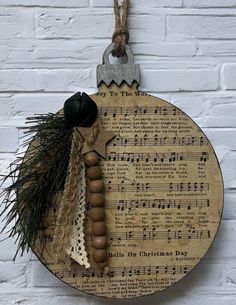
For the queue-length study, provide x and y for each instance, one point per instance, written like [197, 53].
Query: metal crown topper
[120, 193]
[119, 73]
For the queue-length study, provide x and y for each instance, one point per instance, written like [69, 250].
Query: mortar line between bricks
[82, 68]
[211, 93]
[154, 11]
[42, 6]
[106, 39]
[215, 127]
[48, 291]
[212, 286]
[95, 89]
[169, 11]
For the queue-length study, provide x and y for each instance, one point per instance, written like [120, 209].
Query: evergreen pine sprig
[36, 177]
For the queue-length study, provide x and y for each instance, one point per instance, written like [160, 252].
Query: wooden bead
[96, 199]
[99, 256]
[99, 228]
[91, 159]
[97, 214]
[94, 172]
[96, 186]
[100, 242]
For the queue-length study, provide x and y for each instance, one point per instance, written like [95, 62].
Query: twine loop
[121, 34]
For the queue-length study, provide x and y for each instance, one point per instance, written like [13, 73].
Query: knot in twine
[121, 34]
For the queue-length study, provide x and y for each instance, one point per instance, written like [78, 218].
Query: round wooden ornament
[163, 193]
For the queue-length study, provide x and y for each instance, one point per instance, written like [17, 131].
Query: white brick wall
[187, 51]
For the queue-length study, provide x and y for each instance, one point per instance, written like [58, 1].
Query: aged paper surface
[164, 198]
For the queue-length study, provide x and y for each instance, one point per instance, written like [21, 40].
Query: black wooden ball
[80, 110]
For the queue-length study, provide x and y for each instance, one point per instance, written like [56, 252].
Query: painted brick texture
[49, 49]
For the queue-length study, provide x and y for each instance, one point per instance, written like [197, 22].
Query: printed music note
[154, 234]
[144, 234]
[160, 141]
[158, 200]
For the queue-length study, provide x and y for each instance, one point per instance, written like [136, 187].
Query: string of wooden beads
[96, 200]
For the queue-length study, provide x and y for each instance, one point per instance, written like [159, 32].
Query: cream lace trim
[72, 212]
[76, 250]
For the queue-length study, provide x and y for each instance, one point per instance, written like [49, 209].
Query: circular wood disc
[164, 198]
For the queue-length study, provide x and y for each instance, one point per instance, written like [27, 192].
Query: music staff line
[125, 187]
[127, 271]
[125, 111]
[148, 235]
[156, 140]
[163, 204]
[155, 234]
[158, 157]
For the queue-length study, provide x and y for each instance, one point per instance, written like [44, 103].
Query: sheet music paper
[164, 198]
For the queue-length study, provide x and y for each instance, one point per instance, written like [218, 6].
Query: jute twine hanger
[121, 34]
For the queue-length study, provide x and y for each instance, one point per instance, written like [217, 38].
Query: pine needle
[36, 177]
